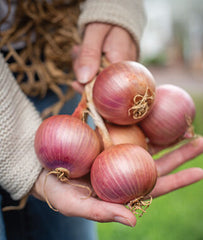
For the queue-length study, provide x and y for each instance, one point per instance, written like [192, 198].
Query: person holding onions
[112, 28]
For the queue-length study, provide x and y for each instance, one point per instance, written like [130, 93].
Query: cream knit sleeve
[19, 167]
[129, 14]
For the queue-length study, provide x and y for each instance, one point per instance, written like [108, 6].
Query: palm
[72, 200]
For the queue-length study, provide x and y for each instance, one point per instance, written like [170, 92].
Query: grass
[177, 215]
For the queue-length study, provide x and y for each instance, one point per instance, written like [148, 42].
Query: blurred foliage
[158, 60]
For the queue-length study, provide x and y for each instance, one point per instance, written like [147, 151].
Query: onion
[122, 173]
[172, 114]
[124, 92]
[66, 143]
[125, 134]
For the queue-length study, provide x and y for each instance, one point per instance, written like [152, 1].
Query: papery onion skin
[120, 134]
[127, 134]
[116, 87]
[122, 173]
[67, 142]
[172, 112]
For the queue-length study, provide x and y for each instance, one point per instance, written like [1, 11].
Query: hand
[71, 200]
[169, 162]
[113, 41]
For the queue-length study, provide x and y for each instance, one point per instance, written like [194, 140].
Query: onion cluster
[123, 95]
[133, 111]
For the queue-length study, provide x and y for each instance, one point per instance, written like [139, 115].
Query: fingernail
[84, 74]
[124, 221]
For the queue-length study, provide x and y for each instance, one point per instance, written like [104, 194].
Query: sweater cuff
[19, 120]
[129, 14]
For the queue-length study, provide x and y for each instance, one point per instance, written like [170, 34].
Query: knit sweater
[129, 14]
[19, 166]
[19, 120]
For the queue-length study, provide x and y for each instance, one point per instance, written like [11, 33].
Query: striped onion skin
[168, 119]
[67, 142]
[122, 173]
[119, 88]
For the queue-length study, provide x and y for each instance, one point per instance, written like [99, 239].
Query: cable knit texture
[129, 14]
[19, 166]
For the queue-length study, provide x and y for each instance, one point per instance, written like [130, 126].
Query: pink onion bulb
[63, 141]
[173, 112]
[124, 92]
[125, 134]
[122, 173]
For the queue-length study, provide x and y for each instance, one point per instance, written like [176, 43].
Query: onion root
[139, 204]
[141, 104]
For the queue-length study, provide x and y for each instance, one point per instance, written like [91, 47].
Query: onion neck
[96, 117]
[81, 108]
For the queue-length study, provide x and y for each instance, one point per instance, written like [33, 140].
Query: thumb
[87, 63]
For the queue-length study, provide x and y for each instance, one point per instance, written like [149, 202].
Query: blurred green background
[172, 49]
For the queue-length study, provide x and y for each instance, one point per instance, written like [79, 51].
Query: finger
[77, 87]
[120, 46]
[95, 209]
[153, 149]
[75, 52]
[101, 211]
[173, 159]
[88, 61]
[175, 181]
[72, 200]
